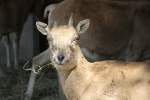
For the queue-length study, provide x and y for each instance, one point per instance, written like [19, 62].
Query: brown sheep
[113, 26]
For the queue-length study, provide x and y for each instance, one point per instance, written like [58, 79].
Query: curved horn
[49, 9]
[48, 12]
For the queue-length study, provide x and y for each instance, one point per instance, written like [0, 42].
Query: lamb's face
[62, 43]
[63, 40]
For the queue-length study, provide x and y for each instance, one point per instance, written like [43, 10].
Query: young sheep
[103, 80]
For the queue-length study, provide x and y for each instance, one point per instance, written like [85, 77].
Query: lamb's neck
[72, 65]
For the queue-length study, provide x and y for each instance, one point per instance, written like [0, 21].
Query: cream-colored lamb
[103, 80]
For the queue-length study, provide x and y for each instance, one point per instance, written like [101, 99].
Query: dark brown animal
[139, 44]
[113, 33]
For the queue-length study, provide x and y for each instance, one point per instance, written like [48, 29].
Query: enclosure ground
[13, 84]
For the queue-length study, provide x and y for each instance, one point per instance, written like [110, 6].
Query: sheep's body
[112, 26]
[103, 80]
[106, 80]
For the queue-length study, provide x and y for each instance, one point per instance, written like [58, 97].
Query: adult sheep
[116, 30]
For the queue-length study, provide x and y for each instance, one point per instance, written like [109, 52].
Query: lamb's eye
[75, 40]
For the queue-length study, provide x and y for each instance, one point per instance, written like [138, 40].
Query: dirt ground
[13, 84]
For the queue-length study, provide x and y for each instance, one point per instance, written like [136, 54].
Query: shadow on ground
[13, 84]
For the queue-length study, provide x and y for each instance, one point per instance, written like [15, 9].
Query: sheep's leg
[40, 59]
[7, 47]
[13, 38]
[30, 87]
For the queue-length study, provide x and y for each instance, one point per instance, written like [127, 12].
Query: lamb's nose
[61, 58]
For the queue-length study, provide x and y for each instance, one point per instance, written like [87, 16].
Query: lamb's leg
[13, 38]
[30, 87]
[5, 41]
[40, 59]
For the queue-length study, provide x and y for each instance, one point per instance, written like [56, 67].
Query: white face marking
[62, 42]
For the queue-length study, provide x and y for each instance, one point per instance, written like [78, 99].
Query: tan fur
[103, 80]
[66, 34]
[106, 80]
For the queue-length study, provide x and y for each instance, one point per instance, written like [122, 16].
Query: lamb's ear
[42, 27]
[83, 26]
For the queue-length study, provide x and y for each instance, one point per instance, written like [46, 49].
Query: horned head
[63, 39]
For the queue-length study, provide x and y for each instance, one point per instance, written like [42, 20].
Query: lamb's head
[63, 39]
